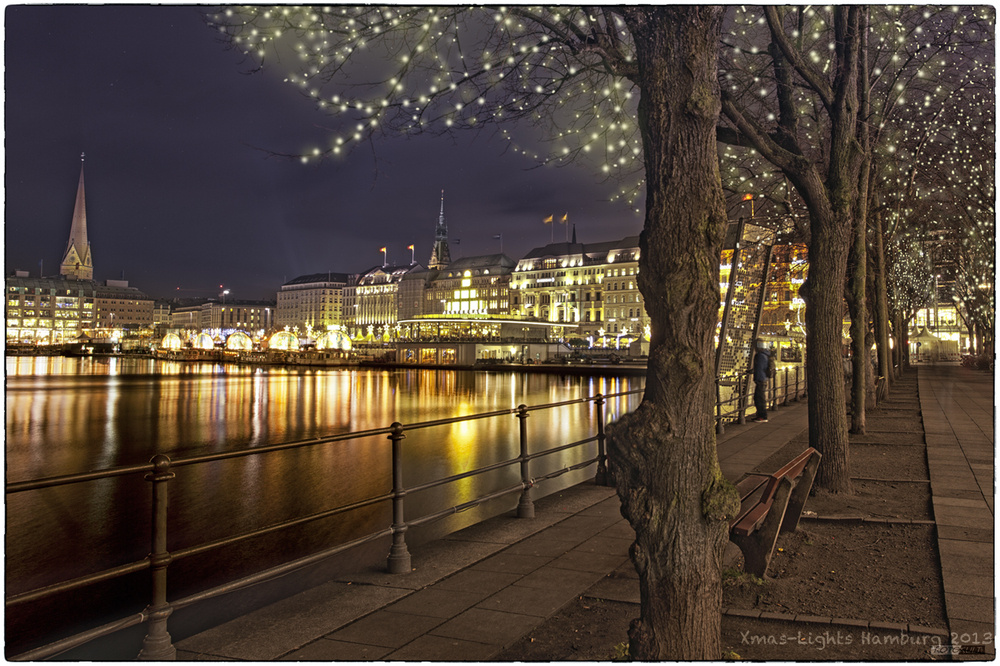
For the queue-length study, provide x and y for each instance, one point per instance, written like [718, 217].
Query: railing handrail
[160, 470]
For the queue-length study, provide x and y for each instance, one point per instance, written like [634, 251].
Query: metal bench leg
[758, 546]
[798, 498]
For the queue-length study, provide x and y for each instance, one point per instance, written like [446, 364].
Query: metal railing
[786, 386]
[157, 645]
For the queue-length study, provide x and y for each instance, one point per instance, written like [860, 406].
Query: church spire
[440, 255]
[76, 262]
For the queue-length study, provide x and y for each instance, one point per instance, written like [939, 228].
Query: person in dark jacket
[761, 374]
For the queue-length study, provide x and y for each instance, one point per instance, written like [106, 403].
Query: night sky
[183, 194]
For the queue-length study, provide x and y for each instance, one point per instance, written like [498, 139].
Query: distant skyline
[181, 194]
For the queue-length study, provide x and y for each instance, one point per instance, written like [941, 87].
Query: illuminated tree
[635, 87]
[790, 90]
[842, 106]
[933, 80]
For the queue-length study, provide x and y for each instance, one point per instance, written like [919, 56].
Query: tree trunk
[858, 282]
[904, 342]
[885, 365]
[824, 342]
[859, 326]
[871, 393]
[663, 455]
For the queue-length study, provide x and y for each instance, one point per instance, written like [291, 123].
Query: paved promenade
[957, 407]
[477, 591]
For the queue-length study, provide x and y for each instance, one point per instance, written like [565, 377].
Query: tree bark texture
[824, 343]
[858, 259]
[885, 364]
[663, 455]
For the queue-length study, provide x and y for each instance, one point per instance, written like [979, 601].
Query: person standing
[762, 372]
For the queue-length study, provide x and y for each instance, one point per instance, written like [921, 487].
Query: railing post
[784, 398]
[772, 385]
[156, 645]
[601, 478]
[398, 561]
[719, 428]
[742, 398]
[525, 507]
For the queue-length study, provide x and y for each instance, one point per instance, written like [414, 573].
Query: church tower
[440, 256]
[76, 262]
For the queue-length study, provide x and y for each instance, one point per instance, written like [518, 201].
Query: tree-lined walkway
[479, 591]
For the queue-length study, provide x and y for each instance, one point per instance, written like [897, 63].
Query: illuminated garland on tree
[554, 78]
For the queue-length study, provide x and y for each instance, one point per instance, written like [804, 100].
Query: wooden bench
[770, 504]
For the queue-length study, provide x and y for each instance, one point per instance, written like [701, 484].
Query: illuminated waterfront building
[60, 309]
[373, 301]
[48, 310]
[222, 318]
[472, 285]
[783, 311]
[312, 302]
[57, 310]
[593, 285]
[121, 307]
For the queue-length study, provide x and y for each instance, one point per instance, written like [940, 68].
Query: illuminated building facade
[783, 311]
[48, 310]
[473, 285]
[593, 285]
[253, 317]
[312, 301]
[121, 307]
[57, 310]
[374, 299]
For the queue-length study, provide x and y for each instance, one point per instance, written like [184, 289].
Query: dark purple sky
[179, 193]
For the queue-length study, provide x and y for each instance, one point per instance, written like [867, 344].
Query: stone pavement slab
[330, 650]
[492, 627]
[273, 630]
[385, 628]
[442, 649]
[957, 407]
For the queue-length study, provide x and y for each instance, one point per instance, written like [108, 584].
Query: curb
[863, 519]
[835, 621]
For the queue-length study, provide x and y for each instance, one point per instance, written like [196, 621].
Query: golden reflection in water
[72, 415]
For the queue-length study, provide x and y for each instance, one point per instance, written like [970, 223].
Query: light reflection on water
[67, 415]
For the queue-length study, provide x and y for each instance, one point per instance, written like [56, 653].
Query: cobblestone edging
[864, 519]
[867, 478]
[835, 621]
